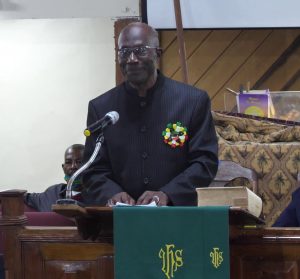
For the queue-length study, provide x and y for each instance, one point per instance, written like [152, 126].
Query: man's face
[137, 61]
[73, 160]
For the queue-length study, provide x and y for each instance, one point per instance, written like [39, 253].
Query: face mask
[76, 188]
[67, 178]
[76, 182]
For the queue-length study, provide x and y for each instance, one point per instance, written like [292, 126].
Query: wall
[55, 56]
[225, 14]
[49, 70]
[68, 8]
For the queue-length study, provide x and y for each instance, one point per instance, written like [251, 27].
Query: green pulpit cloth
[171, 242]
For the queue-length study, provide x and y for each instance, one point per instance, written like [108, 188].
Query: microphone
[110, 118]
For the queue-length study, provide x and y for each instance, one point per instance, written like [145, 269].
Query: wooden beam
[180, 39]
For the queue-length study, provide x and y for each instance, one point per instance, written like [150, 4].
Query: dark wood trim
[279, 62]
[181, 43]
[291, 81]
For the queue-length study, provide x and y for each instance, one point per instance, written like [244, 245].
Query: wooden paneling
[167, 38]
[231, 60]
[258, 63]
[288, 69]
[66, 260]
[208, 53]
[267, 58]
[265, 253]
[171, 54]
[294, 83]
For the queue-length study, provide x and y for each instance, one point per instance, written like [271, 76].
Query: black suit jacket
[135, 158]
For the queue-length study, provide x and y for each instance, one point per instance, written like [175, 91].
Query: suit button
[143, 129]
[146, 180]
[143, 104]
[144, 155]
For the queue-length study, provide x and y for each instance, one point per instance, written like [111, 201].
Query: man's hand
[160, 198]
[121, 197]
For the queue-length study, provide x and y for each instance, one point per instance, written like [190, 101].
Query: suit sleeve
[202, 157]
[98, 182]
[289, 217]
[43, 201]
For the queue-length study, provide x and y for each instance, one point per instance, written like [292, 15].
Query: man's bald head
[139, 31]
[76, 147]
[73, 159]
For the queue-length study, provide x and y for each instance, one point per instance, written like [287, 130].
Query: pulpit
[52, 252]
[48, 251]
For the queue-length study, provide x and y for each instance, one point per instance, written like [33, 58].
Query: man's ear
[159, 52]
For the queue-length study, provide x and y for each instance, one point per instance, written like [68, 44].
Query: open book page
[152, 204]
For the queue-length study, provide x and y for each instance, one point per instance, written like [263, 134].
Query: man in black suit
[163, 146]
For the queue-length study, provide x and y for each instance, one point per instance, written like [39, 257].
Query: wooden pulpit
[61, 252]
[33, 252]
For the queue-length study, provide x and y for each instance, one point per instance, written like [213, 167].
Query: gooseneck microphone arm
[68, 199]
[109, 119]
[84, 167]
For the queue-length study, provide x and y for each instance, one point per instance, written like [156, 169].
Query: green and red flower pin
[175, 134]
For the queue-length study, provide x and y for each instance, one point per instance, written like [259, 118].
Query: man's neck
[142, 88]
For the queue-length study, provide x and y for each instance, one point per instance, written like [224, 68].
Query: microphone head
[114, 116]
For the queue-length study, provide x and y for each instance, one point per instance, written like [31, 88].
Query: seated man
[290, 217]
[43, 201]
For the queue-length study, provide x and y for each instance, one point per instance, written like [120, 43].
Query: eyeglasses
[139, 51]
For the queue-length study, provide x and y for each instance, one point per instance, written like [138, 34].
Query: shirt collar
[158, 84]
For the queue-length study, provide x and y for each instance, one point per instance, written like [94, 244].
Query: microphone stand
[68, 199]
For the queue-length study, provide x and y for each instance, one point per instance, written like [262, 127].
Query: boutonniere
[175, 134]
